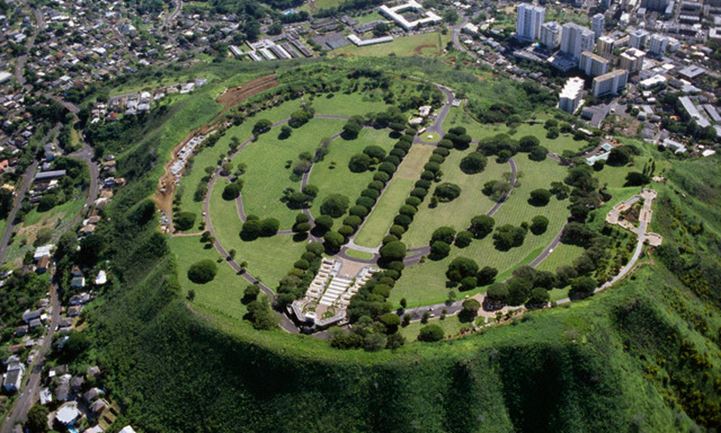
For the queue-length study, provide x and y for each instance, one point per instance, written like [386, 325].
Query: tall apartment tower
[529, 22]
[638, 38]
[551, 35]
[598, 24]
[576, 39]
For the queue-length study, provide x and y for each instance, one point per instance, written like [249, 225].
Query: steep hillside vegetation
[642, 357]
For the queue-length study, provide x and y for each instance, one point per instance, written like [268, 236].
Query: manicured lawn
[458, 117]
[267, 177]
[362, 255]
[349, 105]
[209, 156]
[451, 326]
[563, 254]
[221, 295]
[381, 218]
[367, 18]
[424, 44]
[424, 283]
[332, 175]
[269, 259]
[458, 213]
[557, 145]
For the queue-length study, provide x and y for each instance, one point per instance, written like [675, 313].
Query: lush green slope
[643, 356]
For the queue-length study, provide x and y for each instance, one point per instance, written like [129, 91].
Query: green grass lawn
[369, 17]
[332, 175]
[381, 218]
[424, 283]
[458, 213]
[457, 116]
[208, 157]
[220, 296]
[269, 259]
[557, 145]
[562, 255]
[267, 176]
[362, 255]
[451, 326]
[424, 44]
[349, 105]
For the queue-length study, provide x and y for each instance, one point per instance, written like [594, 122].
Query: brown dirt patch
[232, 97]
[419, 49]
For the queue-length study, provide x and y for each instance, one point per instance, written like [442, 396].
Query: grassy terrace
[332, 175]
[208, 157]
[220, 296]
[269, 259]
[458, 213]
[381, 218]
[425, 283]
[267, 176]
[424, 44]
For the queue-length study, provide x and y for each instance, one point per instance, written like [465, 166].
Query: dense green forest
[641, 357]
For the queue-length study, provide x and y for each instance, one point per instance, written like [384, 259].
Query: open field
[220, 296]
[332, 175]
[557, 145]
[268, 259]
[451, 326]
[381, 218]
[209, 156]
[424, 44]
[424, 283]
[563, 254]
[267, 174]
[457, 213]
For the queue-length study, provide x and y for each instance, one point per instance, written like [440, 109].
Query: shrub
[446, 192]
[358, 210]
[335, 205]
[387, 167]
[481, 226]
[269, 226]
[527, 143]
[463, 239]
[375, 152]
[262, 126]
[508, 236]
[365, 201]
[202, 272]
[381, 177]
[538, 153]
[430, 333]
[333, 241]
[359, 163]
[376, 185]
[539, 224]
[407, 210]
[439, 250]
[419, 192]
[397, 231]
[346, 231]
[231, 191]
[469, 311]
[444, 234]
[413, 201]
[403, 220]
[184, 221]
[475, 162]
[539, 197]
[393, 251]
[353, 221]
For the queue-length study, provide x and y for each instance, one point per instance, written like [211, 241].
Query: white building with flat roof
[395, 13]
[551, 35]
[611, 83]
[592, 64]
[570, 96]
[529, 21]
[638, 38]
[632, 60]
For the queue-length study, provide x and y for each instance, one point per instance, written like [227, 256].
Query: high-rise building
[576, 39]
[598, 24]
[632, 60]
[610, 83]
[593, 65]
[529, 22]
[606, 4]
[605, 45]
[570, 96]
[551, 35]
[638, 38]
[658, 44]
